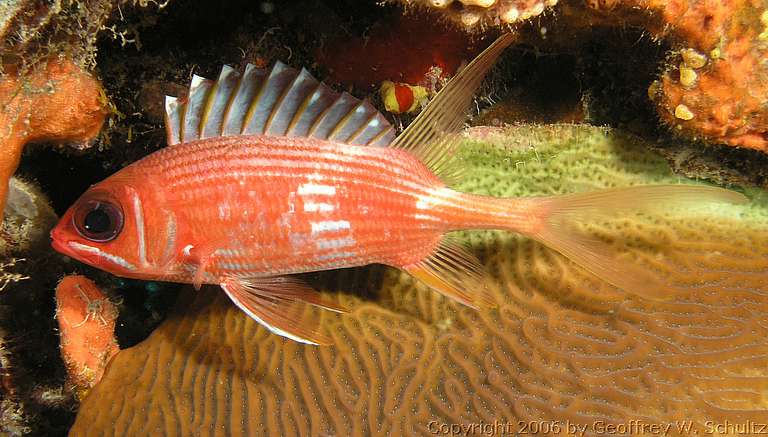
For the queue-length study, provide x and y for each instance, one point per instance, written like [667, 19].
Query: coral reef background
[713, 85]
[561, 346]
[568, 66]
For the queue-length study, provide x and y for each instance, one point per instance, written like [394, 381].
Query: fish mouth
[57, 242]
[67, 248]
[62, 246]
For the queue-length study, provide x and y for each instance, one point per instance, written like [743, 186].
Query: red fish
[271, 173]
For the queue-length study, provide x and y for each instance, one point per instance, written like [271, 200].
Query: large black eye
[98, 220]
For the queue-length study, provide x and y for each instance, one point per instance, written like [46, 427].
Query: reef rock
[27, 220]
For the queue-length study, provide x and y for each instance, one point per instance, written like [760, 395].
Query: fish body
[259, 206]
[271, 173]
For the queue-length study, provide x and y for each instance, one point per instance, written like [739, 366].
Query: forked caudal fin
[559, 214]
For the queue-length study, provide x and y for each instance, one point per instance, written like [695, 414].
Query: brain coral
[561, 346]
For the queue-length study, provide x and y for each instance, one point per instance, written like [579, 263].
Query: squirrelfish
[271, 173]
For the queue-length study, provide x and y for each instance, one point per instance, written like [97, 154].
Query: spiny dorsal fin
[432, 136]
[280, 101]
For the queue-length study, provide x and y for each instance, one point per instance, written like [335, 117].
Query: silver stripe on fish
[140, 235]
[98, 252]
[317, 189]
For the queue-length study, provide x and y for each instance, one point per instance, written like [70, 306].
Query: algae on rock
[561, 345]
[28, 217]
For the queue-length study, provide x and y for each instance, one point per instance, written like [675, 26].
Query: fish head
[115, 226]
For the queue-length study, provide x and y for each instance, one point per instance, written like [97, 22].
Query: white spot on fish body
[291, 202]
[229, 252]
[317, 189]
[425, 217]
[224, 211]
[336, 255]
[318, 207]
[188, 250]
[238, 266]
[437, 197]
[329, 226]
[298, 240]
[337, 243]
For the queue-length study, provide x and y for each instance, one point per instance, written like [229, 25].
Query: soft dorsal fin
[432, 136]
[280, 101]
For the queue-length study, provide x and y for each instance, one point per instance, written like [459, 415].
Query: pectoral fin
[201, 257]
[279, 303]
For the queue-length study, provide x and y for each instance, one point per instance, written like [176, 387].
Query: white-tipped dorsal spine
[194, 108]
[218, 100]
[172, 120]
[280, 101]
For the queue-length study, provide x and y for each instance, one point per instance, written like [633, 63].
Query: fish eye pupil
[97, 221]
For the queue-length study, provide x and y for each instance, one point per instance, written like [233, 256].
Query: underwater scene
[384, 218]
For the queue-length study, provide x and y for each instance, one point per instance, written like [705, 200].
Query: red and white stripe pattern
[274, 205]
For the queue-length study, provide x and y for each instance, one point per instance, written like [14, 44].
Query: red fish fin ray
[454, 272]
[560, 214]
[290, 288]
[431, 137]
[280, 305]
[280, 101]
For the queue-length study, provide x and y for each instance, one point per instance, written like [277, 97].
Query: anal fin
[455, 273]
[279, 303]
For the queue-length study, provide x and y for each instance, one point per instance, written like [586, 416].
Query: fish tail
[561, 216]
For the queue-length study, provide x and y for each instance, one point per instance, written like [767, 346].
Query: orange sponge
[57, 101]
[86, 326]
